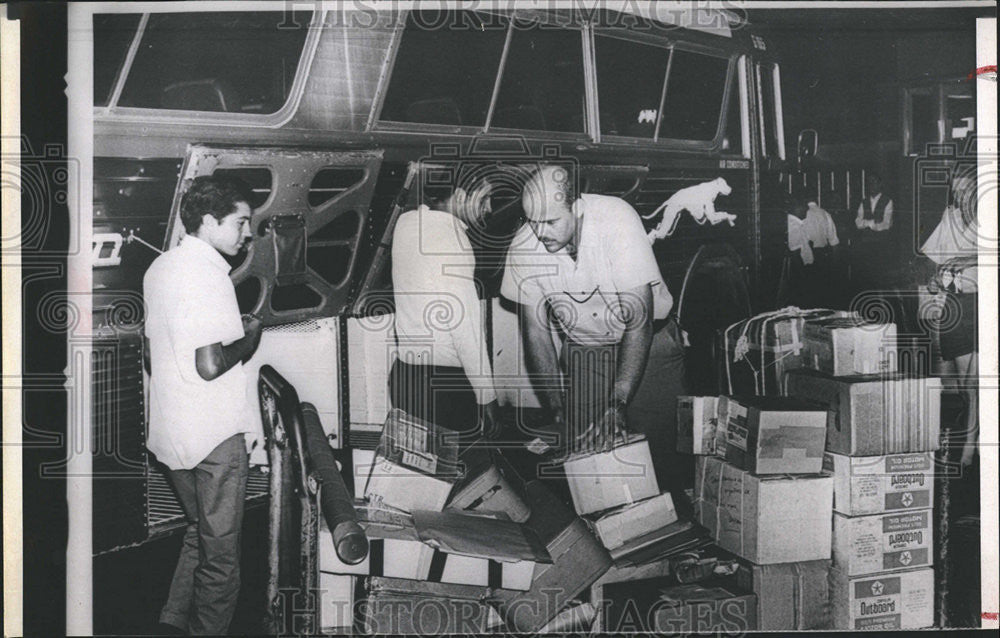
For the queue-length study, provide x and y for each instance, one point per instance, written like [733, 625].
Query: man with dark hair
[199, 425]
[443, 372]
[583, 261]
[875, 210]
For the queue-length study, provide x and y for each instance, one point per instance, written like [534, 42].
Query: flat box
[875, 484]
[443, 547]
[415, 465]
[790, 596]
[659, 605]
[696, 423]
[336, 602]
[396, 606]
[845, 346]
[775, 435]
[625, 523]
[875, 414]
[765, 519]
[880, 542]
[487, 486]
[604, 480]
[578, 557]
[893, 600]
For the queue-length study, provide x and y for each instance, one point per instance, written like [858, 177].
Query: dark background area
[842, 71]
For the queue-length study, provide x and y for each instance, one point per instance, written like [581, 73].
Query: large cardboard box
[874, 484]
[790, 596]
[622, 475]
[843, 346]
[874, 415]
[892, 600]
[775, 435]
[765, 519]
[396, 606]
[880, 542]
[578, 557]
[415, 466]
[623, 524]
[696, 422]
[442, 547]
[659, 605]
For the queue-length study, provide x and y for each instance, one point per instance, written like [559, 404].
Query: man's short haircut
[212, 195]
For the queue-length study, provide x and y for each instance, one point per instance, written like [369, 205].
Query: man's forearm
[215, 360]
[542, 361]
[633, 353]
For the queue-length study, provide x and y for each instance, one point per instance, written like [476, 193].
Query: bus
[335, 115]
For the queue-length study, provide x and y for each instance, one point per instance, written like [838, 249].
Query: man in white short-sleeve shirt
[199, 425]
[443, 372]
[584, 261]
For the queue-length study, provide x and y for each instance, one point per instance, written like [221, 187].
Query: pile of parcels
[827, 489]
[839, 468]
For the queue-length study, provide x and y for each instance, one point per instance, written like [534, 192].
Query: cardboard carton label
[868, 544]
[737, 436]
[891, 601]
[870, 485]
[424, 463]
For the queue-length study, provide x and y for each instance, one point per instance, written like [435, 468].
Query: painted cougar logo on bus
[699, 200]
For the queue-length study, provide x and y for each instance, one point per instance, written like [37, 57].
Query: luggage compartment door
[310, 211]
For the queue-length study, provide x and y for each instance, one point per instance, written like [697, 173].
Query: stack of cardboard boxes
[763, 497]
[883, 428]
[848, 428]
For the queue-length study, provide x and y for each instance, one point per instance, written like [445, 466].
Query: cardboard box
[442, 547]
[624, 573]
[696, 422]
[473, 542]
[844, 346]
[415, 465]
[336, 603]
[790, 596]
[397, 606]
[765, 519]
[487, 486]
[775, 435]
[875, 414]
[722, 408]
[578, 557]
[893, 600]
[622, 524]
[680, 536]
[874, 484]
[605, 480]
[880, 542]
[658, 605]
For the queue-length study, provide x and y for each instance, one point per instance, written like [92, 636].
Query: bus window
[960, 114]
[629, 86]
[732, 140]
[921, 114]
[695, 88]
[769, 104]
[542, 86]
[445, 68]
[113, 33]
[234, 62]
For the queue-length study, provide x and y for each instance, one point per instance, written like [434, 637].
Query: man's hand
[489, 420]
[252, 328]
[609, 430]
[252, 440]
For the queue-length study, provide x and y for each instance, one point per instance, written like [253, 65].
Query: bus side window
[695, 87]
[542, 86]
[113, 33]
[629, 86]
[235, 62]
[445, 68]
[769, 105]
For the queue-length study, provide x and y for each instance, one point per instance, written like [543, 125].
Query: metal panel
[292, 173]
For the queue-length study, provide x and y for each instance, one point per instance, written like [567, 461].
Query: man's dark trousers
[206, 582]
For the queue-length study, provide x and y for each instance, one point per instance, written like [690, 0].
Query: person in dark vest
[875, 210]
